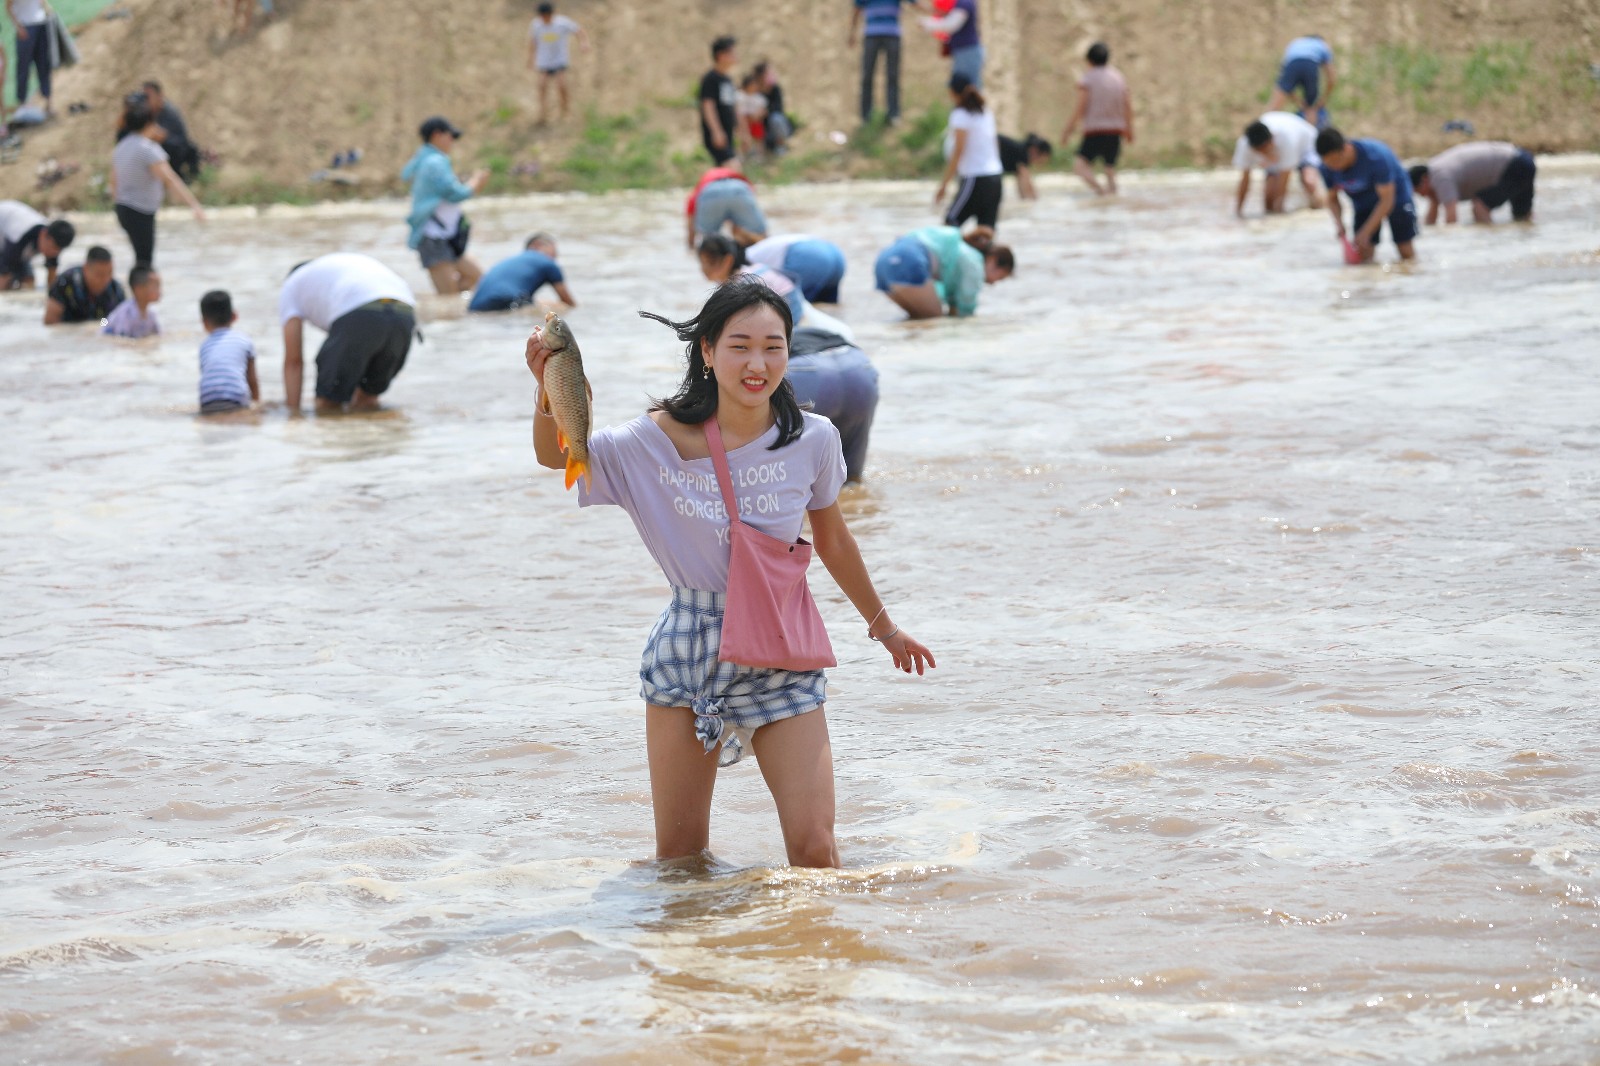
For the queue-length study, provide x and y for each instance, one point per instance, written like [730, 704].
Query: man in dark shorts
[367, 311]
[1020, 157]
[717, 99]
[1485, 173]
[1368, 172]
[1306, 62]
[85, 294]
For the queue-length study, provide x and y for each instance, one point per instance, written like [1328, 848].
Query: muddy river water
[1264, 592]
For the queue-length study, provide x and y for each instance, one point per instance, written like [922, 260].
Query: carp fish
[569, 395]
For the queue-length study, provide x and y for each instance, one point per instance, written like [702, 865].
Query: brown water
[1264, 731]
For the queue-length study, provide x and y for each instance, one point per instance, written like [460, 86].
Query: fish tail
[576, 468]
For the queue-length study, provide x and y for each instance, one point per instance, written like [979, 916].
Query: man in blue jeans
[882, 38]
[960, 26]
[1379, 189]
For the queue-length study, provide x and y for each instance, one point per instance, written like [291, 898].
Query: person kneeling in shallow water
[658, 469]
[368, 313]
[934, 267]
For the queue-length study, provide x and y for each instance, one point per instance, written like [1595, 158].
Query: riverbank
[279, 103]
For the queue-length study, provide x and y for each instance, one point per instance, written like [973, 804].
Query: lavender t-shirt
[676, 504]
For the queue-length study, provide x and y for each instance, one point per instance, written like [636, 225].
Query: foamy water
[1263, 591]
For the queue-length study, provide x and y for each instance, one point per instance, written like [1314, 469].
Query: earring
[705, 369]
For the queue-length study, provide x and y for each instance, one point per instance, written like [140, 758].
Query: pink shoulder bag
[769, 618]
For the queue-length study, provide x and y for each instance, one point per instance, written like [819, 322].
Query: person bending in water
[1280, 143]
[1484, 173]
[85, 293]
[367, 312]
[936, 267]
[25, 233]
[723, 257]
[1368, 172]
[818, 265]
[833, 378]
[512, 282]
[1020, 157]
[1306, 63]
[657, 468]
[725, 197]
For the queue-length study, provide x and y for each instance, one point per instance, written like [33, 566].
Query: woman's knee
[813, 846]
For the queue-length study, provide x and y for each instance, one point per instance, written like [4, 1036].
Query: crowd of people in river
[776, 396]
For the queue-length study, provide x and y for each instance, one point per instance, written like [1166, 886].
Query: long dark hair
[696, 398]
[718, 246]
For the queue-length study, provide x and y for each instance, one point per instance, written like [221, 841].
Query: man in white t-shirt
[548, 39]
[366, 309]
[1279, 142]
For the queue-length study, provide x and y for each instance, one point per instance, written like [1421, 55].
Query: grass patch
[1495, 70]
[619, 152]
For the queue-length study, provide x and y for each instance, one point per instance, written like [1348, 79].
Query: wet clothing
[1107, 108]
[72, 293]
[1375, 164]
[126, 320]
[723, 196]
[1105, 147]
[817, 265]
[225, 357]
[20, 229]
[512, 282]
[1515, 186]
[551, 43]
[364, 349]
[679, 668]
[719, 89]
[676, 504]
[840, 383]
[1294, 138]
[905, 262]
[366, 310]
[1491, 171]
[433, 184]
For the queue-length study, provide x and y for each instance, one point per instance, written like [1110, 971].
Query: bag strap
[724, 476]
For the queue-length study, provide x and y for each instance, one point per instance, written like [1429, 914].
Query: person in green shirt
[938, 267]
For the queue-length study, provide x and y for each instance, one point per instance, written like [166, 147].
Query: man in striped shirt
[227, 359]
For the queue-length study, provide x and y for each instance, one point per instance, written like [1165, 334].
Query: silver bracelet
[883, 638]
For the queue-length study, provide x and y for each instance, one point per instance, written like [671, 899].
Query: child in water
[135, 317]
[228, 379]
[657, 468]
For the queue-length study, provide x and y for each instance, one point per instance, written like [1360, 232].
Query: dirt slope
[332, 74]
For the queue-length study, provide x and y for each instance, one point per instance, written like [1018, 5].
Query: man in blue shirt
[882, 38]
[512, 282]
[1305, 61]
[1368, 172]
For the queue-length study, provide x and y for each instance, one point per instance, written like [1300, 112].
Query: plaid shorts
[679, 668]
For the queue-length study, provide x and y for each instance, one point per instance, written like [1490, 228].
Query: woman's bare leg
[917, 301]
[796, 759]
[682, 776]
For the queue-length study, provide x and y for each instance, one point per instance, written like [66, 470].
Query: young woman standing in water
[658, 468]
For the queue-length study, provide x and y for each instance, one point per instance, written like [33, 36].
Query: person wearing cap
[1018, 158]
[1484, 173]
[368, 313]
[439, 230]
[25, 233]
[511, 283]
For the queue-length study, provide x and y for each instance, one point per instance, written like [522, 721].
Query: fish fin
[575, 470]
[561, 442]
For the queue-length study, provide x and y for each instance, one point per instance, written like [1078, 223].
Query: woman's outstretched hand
[909, 652]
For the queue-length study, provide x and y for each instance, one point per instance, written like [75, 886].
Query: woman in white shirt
[974, 158]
